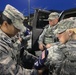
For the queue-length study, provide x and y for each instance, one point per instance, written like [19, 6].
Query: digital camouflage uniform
[47, 36]
[68, 66]
[8, 58]
[60, 54]
[9, 54]
[63, 55]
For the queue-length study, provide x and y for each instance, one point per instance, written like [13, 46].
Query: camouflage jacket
[47, 36]
[64, 58]
[8, 58]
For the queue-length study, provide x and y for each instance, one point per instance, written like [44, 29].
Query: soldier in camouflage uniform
[63, 55]
[11, 22]
[47, 37]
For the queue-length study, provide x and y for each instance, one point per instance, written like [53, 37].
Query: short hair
[4, 18]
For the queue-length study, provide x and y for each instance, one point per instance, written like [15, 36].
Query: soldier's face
[12, 30]
[63, 37]
[53, 22]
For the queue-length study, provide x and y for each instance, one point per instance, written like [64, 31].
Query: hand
[41, 47]
[48, 45]
[20, 39]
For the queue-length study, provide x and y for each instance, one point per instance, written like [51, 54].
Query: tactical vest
[49, 36]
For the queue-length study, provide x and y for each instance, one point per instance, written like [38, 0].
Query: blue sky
[23, 5]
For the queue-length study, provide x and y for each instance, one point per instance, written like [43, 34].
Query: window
[42, 20]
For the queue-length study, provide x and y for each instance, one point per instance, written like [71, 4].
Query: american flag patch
[43, 54]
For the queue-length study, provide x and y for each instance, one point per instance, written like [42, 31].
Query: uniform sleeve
[9, 66]
[41, 37]
[54, 56]
[6, 63]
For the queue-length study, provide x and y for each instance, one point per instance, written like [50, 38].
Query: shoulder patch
[6, 40]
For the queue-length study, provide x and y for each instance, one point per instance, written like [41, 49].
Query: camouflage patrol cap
[53, 15]
[15, 16]
[64, 25]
